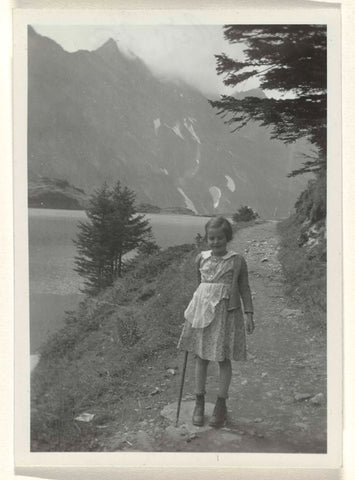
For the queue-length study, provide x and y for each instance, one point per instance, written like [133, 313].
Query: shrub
[245, 214]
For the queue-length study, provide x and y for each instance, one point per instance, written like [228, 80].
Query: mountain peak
[110, 46]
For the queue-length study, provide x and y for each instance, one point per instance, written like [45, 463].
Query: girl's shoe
[199, 411]
[219, 415]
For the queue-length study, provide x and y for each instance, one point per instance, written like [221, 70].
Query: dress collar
[208, 254]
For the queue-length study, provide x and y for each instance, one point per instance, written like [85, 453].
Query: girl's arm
[246, 296]
[197, 261]
[244, 288]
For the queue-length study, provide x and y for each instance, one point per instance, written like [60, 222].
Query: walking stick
[181, 388]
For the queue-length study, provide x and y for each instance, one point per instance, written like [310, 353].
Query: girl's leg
[225, 376]
[219, 414]
[200, 384]
[200, 375]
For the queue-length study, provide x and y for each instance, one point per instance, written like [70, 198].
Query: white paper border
[125, 459]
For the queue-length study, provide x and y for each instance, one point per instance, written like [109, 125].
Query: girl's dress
[211, 331]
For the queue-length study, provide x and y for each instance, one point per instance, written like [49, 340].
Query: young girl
[214, 329]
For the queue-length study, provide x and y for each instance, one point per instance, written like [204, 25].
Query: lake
[54, 285]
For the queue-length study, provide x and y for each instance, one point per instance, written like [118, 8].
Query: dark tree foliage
[114, 228]
[288, 58]
[245, 214]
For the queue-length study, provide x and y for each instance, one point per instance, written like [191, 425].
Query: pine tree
[114, 228]
[293, 60]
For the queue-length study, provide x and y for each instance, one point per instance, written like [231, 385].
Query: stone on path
[229, 437]
[289, 312]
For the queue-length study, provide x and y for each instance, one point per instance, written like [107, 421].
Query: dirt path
[277, 398]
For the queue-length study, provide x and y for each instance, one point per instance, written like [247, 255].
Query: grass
[89, 364]
[305, 272]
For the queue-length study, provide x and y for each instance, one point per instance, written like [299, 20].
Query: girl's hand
[250, 323]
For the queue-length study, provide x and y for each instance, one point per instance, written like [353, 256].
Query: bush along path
[277, 399]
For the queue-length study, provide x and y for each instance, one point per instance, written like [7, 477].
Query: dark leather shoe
[219, 415]
[198, 415]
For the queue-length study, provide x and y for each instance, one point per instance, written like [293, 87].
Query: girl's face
[217, 241]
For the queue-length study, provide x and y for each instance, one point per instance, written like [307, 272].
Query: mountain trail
[277, 399]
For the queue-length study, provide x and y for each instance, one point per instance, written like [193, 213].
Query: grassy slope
[305, 271]
[90, 363]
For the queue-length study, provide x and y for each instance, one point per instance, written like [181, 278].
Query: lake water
[54, 285]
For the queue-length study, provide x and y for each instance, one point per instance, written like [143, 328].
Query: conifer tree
[291, 59]
[114, 228]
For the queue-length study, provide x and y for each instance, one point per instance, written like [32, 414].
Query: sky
[185, 52]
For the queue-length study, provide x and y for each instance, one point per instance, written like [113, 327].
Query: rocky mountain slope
[102, 116]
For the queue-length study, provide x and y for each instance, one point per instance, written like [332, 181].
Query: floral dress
[211, 331]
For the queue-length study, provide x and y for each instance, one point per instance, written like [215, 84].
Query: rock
[265, 259]
[264, 374]
[317, 399]
[258, 420]
[244, 382]
[299, 397]
[155, 391]
[289, 312]
[230, 437]
[172, 371]
[85, 417]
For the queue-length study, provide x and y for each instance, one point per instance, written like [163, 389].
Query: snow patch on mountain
[191, 129]
[176, 130]
[156, 125]
[230, 183]
[198, 155]
[216, 195]
[188, 202]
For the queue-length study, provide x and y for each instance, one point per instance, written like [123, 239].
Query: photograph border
[23, 457]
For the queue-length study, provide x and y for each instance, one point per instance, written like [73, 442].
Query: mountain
[55, 193]
[96, 116]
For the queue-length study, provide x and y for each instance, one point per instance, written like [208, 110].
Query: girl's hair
[220, 222]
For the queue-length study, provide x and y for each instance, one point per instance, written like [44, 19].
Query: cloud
[184, 52]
